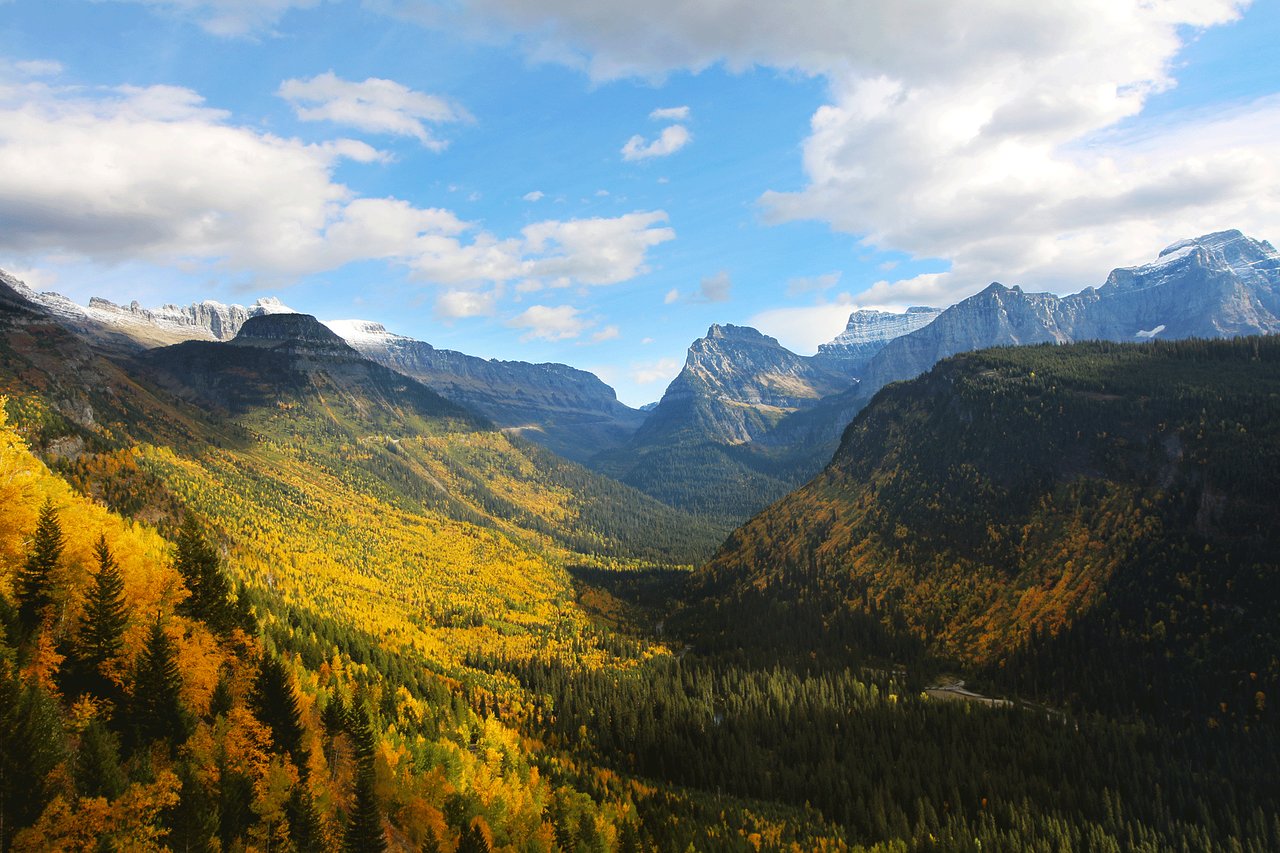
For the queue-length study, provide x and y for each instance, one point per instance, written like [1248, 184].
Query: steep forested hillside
[1107, 508]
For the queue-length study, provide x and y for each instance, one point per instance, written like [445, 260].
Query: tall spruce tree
[276, 704]
[34, 584]
[210, 591]
[157, 710]
[364, 829]
[105, 612]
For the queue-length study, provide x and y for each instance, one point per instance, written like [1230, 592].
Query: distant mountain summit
[736, 384]
[565, 409]
[168, 324]
[748, 418]
[867, 333]
[1220, 285]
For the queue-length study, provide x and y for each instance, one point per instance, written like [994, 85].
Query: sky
[595, 182]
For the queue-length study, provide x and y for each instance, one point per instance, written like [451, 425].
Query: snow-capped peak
[356, 332]
[269, 305]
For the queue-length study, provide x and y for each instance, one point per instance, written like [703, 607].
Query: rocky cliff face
[867, 333]
[567, 410]
[736, 384]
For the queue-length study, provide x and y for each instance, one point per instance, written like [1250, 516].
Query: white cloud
[646, 341]
[232, 17]
[671, 140]
[608, 333]
[374, 105]
[672, 296]
[154, 174]
[458, 304]
[982, 132]
[558, 323]
[663, 370]
[670, 114]
[812, 284]
[39, 68]
[801, 329]
[534, 195]
[594, 251]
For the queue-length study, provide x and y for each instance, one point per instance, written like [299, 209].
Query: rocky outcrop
[565, 409]
[736, 384]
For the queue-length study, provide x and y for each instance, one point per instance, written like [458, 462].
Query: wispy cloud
[374, 105]
[671, 140]
[670, 114]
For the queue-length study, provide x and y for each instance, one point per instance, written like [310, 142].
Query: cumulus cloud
[155, 174]
[1009, 139]
[548, 323]
[232, 17]
[374, 105]
[458, 304]
[673, 295]
[670, 114]
[534, 195]
[671, 140]
[663, 370]
[608, 333]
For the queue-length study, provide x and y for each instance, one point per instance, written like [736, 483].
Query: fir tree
[157, 710]
[276, 704]
[31, 746]
[97, 767]
[34, 583]
[304, 821]
[210, 592]
[105, 613]
[473, 839]
[193, 820]
[364, 830]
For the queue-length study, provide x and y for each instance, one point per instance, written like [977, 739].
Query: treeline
[887, 766]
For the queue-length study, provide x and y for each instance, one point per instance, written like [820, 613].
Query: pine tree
[34, 583]
[210, 591]
[31, 746]
[364, 830]
[192, 821]
[473, 839]
[276, 704]
[304, 821]
[97, 767]
[157, 710]
[105, 612]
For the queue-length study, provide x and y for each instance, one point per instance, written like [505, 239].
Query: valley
[1023, 590]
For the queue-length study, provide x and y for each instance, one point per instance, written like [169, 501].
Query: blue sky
[597, 181]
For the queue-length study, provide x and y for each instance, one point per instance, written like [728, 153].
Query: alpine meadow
[701, 427]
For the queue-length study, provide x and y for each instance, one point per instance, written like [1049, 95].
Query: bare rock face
[867, 333]
[736, 384]
[570, 411]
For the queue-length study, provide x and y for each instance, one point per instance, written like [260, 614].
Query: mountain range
[746, 420]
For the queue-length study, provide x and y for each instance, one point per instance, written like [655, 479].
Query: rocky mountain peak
[296, 331]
